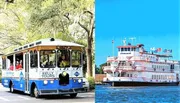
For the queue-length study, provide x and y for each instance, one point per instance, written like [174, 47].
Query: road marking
[85, 96]
[79, 102]
[4, 99]
[23, 97]
[90, 92]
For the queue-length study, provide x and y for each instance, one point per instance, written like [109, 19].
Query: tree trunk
[89, 57]
[89, 48]
[90, 32]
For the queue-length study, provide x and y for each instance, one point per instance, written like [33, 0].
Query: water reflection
[146, 94]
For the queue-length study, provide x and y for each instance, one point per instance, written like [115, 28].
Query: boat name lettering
[125, 53]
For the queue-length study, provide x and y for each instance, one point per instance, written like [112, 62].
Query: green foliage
[25, 21]
[99, 70]
[91, 82]
[0, 75]
[96, 69]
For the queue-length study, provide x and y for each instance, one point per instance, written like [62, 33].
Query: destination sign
[48, 74]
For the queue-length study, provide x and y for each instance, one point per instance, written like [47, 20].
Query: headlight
[79, 80]
[51, 81]
[64, 73]
[45, 82]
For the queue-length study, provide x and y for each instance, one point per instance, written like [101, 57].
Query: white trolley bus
[45, 67]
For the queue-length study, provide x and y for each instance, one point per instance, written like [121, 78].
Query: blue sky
[155, 23]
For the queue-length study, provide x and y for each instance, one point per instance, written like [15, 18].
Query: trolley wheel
[11, 88]
[73, 95]
[36, 92]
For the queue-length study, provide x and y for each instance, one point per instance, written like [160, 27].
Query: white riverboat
[136, 67]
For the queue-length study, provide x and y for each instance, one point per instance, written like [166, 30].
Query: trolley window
[76, 58]
[47, 58]
[34, 59]
[10, 62]
[63, 58]
[3, 63]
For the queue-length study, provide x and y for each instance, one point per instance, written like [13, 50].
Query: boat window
[125, 49]
[122, 49]
[134, 49]
[76, 58]
[63, 58]
[47, 58]
[129, 49]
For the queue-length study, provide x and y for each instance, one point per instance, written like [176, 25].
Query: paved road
[7, 97]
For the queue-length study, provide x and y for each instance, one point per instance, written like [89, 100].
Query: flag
[165, 50]
[155, 51]
[169, 51]
[158, 49]
[129, 43]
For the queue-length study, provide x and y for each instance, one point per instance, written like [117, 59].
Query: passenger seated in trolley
[63, 62]
[19, 65]
[49, 64]
[11, 67]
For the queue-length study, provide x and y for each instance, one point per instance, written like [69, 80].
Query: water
[146, 94]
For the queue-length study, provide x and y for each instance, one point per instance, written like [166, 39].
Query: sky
[154, 23]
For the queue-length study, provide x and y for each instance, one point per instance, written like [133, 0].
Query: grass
[91, 83]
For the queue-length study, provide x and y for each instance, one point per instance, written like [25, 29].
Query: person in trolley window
[19, 65]
[64, 62]
[11, 67]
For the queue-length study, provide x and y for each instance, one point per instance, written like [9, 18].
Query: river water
[145, 94]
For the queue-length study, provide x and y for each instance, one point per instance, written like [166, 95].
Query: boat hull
[123, 83]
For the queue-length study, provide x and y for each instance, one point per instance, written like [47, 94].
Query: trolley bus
[45, 67]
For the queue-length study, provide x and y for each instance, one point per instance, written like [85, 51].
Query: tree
[96, 69]
[70, 20]
[67, 14]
